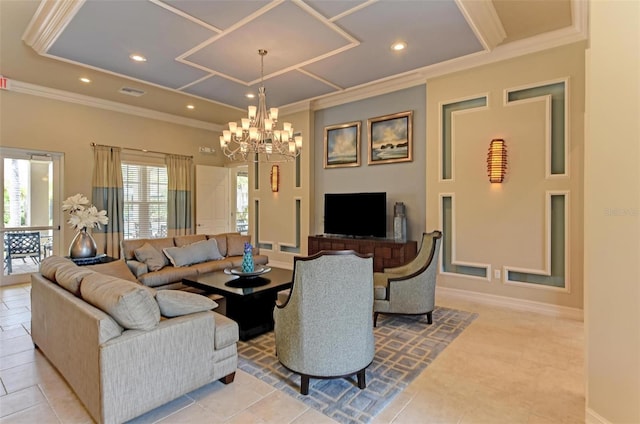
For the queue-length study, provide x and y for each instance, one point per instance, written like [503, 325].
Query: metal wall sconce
[275, 178]
[497, 160]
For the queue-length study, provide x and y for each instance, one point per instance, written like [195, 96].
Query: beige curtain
[179, 197]
[108, 194]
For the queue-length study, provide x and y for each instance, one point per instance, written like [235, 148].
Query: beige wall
[503, 225]
[612, 214]
[33, 122]
[277, 217]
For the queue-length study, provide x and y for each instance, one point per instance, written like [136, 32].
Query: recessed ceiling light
[138, 57]
[250, 96]
[191, 107]
[397, 46]
[85, 80]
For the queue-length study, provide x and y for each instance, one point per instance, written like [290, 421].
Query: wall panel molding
[555, 272]
[449, 263]
[555, 95]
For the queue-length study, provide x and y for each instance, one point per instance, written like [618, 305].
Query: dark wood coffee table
[250, 301]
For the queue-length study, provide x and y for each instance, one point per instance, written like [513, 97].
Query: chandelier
[256, 139]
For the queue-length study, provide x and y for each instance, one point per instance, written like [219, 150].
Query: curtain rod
[140, 150]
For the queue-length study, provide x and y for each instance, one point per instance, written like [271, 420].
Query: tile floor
[507, 367]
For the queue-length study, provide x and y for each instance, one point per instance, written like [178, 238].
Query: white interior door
[213, 212]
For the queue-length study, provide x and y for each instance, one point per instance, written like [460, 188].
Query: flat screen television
[355, 214]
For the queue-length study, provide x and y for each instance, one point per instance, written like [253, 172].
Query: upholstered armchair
[409, 289]
[325, 327]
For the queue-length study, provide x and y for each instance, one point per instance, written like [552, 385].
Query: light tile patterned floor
[507, 367]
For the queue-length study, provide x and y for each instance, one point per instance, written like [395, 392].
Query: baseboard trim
[519, 304]
[592, 417]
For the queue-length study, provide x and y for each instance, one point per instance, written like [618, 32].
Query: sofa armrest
[138, 268]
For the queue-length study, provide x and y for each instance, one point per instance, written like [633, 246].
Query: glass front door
[31, 211]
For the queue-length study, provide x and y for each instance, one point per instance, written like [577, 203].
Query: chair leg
[228, 379]
[362, 383]
[375, 319]
[304, 384]
[429, 318]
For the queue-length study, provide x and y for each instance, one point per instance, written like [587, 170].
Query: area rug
[405, 346]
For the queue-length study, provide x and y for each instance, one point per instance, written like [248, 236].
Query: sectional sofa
[162, 263]
[125, 348]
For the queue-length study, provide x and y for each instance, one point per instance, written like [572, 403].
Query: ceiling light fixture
[400, 45]
[191, 107]
[256, 139]
[85, 80]
[250, 96]
[138, 58]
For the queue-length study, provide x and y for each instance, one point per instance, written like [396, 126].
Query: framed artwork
[342, 145]
[391, 138]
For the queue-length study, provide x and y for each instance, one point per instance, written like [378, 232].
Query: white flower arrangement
[82, 215]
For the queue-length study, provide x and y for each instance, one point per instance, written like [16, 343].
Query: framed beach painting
[342, 145]
[391, 138]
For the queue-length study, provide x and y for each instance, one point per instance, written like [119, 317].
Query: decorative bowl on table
[258, 270]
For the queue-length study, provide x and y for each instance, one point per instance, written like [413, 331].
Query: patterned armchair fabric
[409, 289]
[325, 328]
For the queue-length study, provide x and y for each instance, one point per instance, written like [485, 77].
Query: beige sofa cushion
[167, 275]
[174, 303]
[202, 251]
[130, 305]
[180, 241]
[117, 269]
[49, 265]
[147, 254]
[221, 239]
[69, 276]
[235, 244]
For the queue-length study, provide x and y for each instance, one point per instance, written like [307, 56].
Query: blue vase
[247, 262]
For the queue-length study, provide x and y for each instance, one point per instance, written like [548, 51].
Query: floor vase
[83, 245]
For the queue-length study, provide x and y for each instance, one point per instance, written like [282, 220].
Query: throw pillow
[129, 304]
[150, 256]
[174, 303]
[195, 253]
[49, 265]
[69, 277]
[117, 269]
[235, 245]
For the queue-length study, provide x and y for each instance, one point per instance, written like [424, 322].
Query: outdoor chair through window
[21, 246]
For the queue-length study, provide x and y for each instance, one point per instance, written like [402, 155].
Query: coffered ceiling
[205, 52]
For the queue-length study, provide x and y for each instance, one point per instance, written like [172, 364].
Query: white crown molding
[484, 20]
[576, 33]
[368, 90]
[514, 303]
[66, 96]
[48, 23]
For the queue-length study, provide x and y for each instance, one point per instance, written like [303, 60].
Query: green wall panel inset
[557, 92]
[296, 248]
[557, 277]
[447, 240]
[268, 246]
[447, 109]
